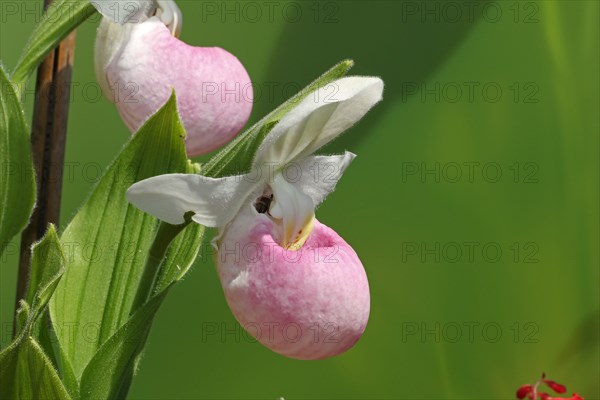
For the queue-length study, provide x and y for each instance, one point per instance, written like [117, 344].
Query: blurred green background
[473, 203]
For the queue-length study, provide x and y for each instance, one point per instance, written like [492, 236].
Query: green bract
[57, 22]
[17, 181]
[26, 372]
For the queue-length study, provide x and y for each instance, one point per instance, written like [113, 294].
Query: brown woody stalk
[48, 137]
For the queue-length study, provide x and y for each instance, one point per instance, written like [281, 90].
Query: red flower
[524, 391]
[557, 387]
[531, 391]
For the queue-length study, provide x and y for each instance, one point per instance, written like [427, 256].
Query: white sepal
[215, 201]
[319, 118]
[320, 174]
[123, 11]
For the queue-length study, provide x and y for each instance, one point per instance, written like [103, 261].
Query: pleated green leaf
[17, 182]
[57, 22]
[109, 374]
[108, 242]
[26, 371]
[47, 266]
[112, 368]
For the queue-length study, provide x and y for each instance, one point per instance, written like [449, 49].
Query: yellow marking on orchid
[295, 212]
[295, 239]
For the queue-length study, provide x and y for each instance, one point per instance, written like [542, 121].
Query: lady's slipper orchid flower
[139, 62]
[300, 276]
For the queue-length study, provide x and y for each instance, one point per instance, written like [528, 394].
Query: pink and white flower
[139, 60]
[291, 281]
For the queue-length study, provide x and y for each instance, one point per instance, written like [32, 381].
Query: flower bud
[138, 65]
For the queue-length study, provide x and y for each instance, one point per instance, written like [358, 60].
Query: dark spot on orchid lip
[263, 203]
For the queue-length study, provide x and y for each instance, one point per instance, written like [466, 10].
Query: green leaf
[22, 316]
[57, 22]
[109, 240]
[47, 267]
[114, 363]
[238, 155]
[27, 373]
[180, 256]
[172, 253]
[109, 373]
[17, 182]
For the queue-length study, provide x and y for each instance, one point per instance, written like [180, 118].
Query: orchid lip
[304, 288]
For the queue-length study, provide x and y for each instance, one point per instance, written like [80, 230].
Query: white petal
[122, 11]
[320, 174]
[295, 210]
[215, 201]
[319, 118]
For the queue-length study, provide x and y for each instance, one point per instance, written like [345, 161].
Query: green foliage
[26, 372]
[101, 367]
[57, 22]
[109, 373]
[47, 264]
[110, 242]
[17, 182]
[47, 268]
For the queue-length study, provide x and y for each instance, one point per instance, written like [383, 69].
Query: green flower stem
[164, 236]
